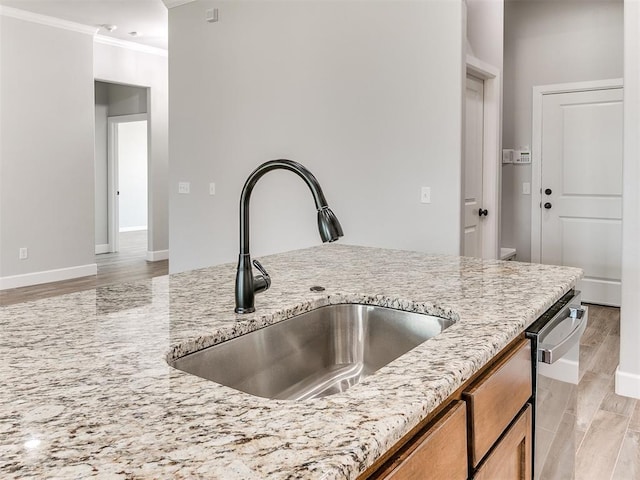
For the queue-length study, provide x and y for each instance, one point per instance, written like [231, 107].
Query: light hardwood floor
[608, 425]
[129, 264]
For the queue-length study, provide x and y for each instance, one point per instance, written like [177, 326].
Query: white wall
[485, 31]
[548, 42]
[101, 170]
[46, 154]
[367, 95]
[127, 100]
[628, 373]
[116, 64]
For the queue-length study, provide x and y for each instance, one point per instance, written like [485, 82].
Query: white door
[132, 176]
[127, 176]
[581, 187]
[473, 163]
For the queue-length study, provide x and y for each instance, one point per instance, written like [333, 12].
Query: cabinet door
[511, 457]
[496, 398]
[440, 453]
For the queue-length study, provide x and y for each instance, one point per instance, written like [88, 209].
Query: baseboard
[47, 276]
[133, 229]
[627, 384]
[157, 255]
[600, 292]
[105, 248]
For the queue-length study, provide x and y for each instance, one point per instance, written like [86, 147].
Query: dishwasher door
[559, 342]
[557, 372]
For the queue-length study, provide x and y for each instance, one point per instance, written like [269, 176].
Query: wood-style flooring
[129, 264]
[608, 425]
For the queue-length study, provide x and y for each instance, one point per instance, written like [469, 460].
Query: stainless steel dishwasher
[555, 349]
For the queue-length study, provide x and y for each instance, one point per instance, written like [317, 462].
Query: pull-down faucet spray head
[328, 225]
[330, 230]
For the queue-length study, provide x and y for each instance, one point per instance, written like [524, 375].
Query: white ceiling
[146, 16]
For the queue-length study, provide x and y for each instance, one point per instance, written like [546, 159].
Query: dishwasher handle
[574, 318]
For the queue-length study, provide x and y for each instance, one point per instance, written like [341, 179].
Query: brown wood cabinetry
[511, 457]
[495, 399]
[438, 453]
[484, 432]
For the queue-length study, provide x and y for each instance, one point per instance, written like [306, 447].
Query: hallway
[127, 265]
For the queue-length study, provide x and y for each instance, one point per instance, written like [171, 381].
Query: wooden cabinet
[495, 399]
[511, 457]
[439, 452]
[483, 433]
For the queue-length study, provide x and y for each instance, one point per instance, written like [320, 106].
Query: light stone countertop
[87, 391]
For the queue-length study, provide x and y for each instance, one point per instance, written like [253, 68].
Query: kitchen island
[87, 390]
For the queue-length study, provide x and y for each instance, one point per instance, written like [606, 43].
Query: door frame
[539, 92]
[113, 201]
[491, 154]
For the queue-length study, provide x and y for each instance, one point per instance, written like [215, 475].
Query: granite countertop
[87, 391]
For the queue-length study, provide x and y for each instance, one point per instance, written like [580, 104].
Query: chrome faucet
[330, 230]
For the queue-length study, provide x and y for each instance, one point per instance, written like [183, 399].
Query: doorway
[127, 181]
[122, 165]
[473, 167]
[577, 181]
[480, 173]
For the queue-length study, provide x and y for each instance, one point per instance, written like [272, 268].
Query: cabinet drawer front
[496, 398]
[438, 454]
[511, 459]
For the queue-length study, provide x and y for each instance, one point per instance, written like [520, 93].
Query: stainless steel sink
[314, 354]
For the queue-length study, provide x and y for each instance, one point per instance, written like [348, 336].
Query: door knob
[548, 191]
[482, 212]
[547, 206]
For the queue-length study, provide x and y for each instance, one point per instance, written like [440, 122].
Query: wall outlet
[212, 188]
[425, 195]
[184, 187]
[526, 188]
[23, 253]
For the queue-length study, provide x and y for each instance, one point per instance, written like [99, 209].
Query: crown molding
[176, 3]
[138, 47]
[46, 20]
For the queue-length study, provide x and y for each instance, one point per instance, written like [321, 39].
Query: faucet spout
[328, 225]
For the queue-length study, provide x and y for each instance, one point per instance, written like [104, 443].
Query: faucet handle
[260, 268]
[261, 282]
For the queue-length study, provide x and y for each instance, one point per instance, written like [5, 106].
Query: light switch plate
[211, 15]
[184, 187]
[425, 195]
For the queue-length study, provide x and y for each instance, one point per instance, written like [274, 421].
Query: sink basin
[314, 354]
